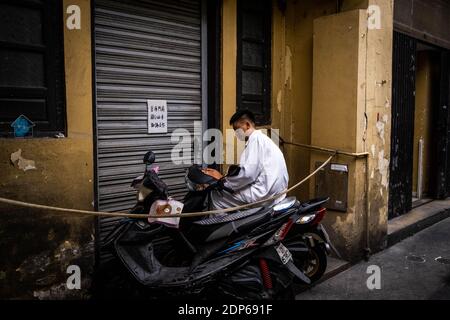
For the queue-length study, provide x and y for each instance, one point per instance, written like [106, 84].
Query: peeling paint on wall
[288, 68]
[279, 100]
[373, 149]
[22, 163]
[380, 127]
[383, 168]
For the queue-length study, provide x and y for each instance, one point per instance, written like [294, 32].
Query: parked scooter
[256, 253]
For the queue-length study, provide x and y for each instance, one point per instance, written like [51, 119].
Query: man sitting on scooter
[263, 171]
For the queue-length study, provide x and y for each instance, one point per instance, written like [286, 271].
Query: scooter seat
[216, 228]
[228, 218]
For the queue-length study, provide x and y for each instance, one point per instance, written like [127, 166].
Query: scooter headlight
[306, 219]
[285, 204]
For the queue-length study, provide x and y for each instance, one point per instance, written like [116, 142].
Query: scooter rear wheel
[314, 265]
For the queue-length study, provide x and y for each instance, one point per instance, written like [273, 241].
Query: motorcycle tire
[314, 266]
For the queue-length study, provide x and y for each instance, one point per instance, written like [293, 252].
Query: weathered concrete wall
[37, 246]
[351, 111]
[378, 114]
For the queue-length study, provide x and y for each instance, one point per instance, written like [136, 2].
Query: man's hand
[213, 173]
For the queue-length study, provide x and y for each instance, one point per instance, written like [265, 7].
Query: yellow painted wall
[375, 129]
[292, 70]
[41, 244]
[338, 114]
[338, 97]
[351, 111]
[228, 71]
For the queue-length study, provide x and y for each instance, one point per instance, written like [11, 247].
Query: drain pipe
[420, 169]
[367, 251]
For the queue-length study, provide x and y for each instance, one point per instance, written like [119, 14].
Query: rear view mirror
[233, 170]
[149, 158]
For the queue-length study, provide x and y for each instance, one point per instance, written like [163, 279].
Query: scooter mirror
[149, 158]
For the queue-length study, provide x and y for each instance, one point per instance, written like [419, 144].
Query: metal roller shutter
[143, 50]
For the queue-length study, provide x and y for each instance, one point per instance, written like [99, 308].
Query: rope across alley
[190, 214]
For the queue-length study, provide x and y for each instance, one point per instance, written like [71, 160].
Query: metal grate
[402, 134]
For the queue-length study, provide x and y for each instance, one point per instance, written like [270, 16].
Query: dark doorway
[419, 167]
[427, 90]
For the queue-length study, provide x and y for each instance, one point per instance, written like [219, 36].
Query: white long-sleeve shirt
[263, 174]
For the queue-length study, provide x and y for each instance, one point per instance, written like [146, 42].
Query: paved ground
[416, 268]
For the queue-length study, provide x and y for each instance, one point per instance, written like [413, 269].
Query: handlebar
[220, 186]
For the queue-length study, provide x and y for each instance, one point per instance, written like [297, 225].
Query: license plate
[283, 253]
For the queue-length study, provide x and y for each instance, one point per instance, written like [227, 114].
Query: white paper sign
[157, 116]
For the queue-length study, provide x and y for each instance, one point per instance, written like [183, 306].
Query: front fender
[323, 237]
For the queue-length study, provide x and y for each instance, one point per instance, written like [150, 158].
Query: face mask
[240, 134]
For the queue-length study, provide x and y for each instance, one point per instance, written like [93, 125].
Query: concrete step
[417, 219]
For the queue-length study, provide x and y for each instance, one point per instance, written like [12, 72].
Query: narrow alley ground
[416, 268]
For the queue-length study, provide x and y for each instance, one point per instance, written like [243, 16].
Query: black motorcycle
[256, 253]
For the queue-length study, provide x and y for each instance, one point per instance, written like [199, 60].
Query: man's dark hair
[243, 114]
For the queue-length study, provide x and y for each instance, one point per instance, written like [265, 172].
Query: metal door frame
[443, 129]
